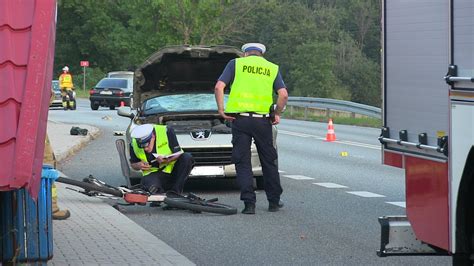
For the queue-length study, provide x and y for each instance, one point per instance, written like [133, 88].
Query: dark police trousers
[160, 182]
[260, 129]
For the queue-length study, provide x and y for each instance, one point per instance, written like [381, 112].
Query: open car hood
[180, 70]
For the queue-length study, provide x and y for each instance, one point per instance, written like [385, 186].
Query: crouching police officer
[156, 152]
[253, 80]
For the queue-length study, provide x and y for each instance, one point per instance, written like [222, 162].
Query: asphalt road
[332, 222]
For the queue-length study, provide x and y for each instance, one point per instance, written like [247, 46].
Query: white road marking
[365, 194]
[398, 203]
[330, 185]
[295, 134]
[299, 177]
[281, 171]
[346, 142]
[358, 144]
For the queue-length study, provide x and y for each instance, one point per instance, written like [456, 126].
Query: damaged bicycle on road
[94, 187]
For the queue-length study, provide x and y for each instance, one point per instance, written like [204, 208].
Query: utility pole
[84, 64]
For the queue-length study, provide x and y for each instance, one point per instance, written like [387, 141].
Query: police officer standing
[253, 80]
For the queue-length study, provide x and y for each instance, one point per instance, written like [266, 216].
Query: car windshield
[112, 83]
[181, 103]
[55, 85]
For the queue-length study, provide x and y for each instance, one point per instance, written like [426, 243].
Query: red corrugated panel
[17, 14]
[27, 35]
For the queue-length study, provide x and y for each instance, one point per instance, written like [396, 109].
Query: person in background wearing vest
[50, 159]
[155, 151]
[66, 86]
[253, 80]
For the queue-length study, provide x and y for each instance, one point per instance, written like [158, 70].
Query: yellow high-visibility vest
[162, 148]
[252, 88]
[65, 81]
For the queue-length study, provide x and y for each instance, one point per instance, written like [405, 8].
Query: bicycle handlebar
[90, 187]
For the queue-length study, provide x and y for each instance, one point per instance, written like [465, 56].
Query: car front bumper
[213, 167]
[56, 103]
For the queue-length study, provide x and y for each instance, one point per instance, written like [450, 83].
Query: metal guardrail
[336, 105]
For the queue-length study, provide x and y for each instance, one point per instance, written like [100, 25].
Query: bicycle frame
[134, 198]
[92, 186]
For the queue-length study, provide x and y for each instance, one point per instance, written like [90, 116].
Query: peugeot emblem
[201, 134]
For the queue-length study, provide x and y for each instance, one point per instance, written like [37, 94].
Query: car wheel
[94, 106]
[112, 107]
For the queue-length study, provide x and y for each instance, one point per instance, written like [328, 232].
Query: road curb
[78, 146]
[59, 135]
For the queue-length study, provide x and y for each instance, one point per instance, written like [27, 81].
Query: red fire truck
[428, 118]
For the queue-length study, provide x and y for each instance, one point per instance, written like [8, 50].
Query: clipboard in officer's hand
[167, 156]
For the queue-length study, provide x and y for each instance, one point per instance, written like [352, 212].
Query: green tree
[312, 70]
[360, 75]
[204, 22]
[325, 48]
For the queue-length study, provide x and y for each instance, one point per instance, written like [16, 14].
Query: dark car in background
[111, 92]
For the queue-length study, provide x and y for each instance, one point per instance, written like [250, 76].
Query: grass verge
[356, 121]
[80, 93]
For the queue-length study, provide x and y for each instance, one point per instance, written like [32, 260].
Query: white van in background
[120, 74]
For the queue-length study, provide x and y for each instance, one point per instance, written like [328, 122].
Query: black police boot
[275, 206]
[249, 208]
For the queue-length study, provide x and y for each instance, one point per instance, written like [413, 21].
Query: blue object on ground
[49, 172]
[26, 228]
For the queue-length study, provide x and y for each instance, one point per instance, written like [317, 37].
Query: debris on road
[78, 131]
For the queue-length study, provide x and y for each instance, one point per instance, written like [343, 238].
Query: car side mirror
[125, 111]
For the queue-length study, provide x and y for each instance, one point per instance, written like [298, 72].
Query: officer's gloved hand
[272, 112]
[153, 189]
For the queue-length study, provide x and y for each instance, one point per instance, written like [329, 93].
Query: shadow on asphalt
[201, 187]
[211, 185]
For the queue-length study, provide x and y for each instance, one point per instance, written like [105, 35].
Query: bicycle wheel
[90, 187]
[200, 205]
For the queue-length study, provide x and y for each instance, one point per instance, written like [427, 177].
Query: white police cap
[254, 46]
[142, 133]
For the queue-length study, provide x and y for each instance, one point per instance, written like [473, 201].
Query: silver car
[57, 99]
[175, 87]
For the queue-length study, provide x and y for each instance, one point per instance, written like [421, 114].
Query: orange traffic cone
[122, 104]
[331, 135]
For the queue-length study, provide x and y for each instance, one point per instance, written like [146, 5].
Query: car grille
[211, 156]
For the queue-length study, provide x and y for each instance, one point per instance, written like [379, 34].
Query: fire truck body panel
[428, 115]
[416, 55]
[462, 139]
[416, 59]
